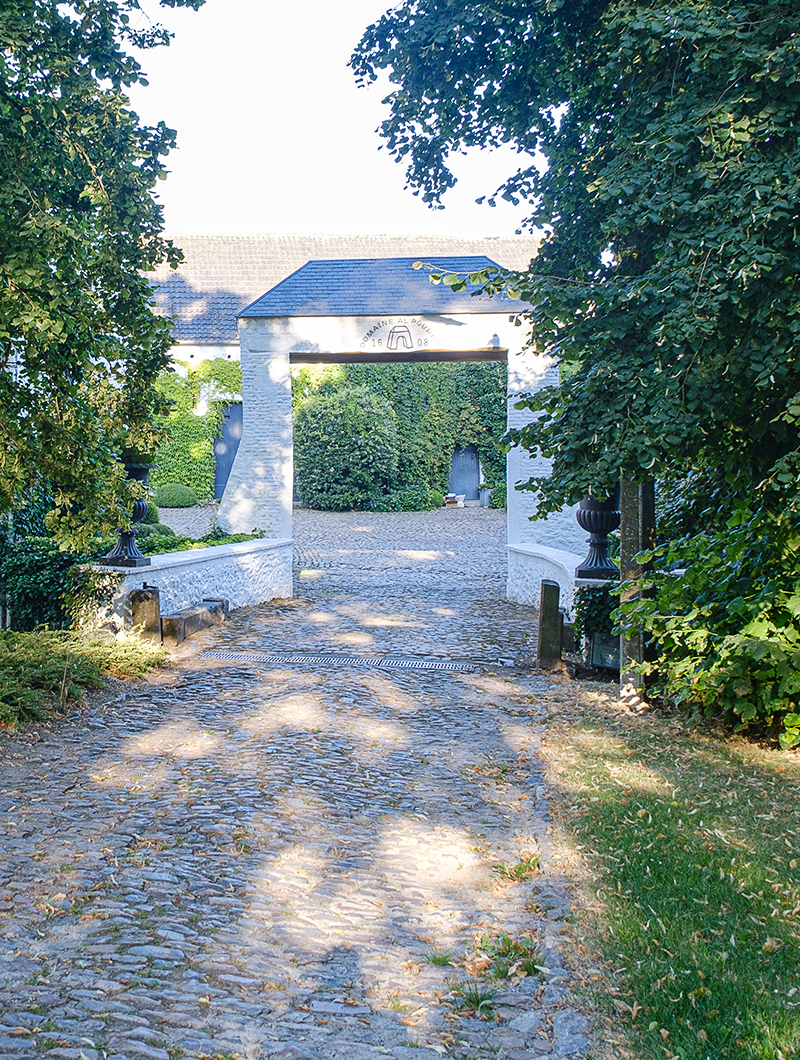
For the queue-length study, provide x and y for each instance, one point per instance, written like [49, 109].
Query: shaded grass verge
[44, 672]
[686, 847]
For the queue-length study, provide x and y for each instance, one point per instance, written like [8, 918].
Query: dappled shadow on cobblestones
[238, 859]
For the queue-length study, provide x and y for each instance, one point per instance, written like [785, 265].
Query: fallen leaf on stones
[409, 1022]
[18, 1031]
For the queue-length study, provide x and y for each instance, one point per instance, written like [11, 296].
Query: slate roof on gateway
[222, 274]
[374, 287]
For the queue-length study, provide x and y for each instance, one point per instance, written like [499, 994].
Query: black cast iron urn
[599, 518]
[126, 553]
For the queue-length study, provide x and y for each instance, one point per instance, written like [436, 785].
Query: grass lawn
[684, 846]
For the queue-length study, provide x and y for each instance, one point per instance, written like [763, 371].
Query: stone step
[177, 627]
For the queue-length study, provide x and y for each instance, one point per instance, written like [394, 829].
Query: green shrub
[152, 518]
[28, 519]
[437, 407]
[435, 499]
[498, 498]
[345, 450]
[727, 632]
[593, 607]
[149, 531]
[410, 499]
[33, 577]
[43, 672]
[174, 495]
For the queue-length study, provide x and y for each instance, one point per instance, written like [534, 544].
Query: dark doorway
[465, 473]
[226, 445]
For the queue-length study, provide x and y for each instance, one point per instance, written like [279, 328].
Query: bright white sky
[274, 135]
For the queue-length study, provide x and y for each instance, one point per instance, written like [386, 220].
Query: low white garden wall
[245, 573]
[529, 564]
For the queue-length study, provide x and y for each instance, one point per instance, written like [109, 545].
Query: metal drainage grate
[340, 660]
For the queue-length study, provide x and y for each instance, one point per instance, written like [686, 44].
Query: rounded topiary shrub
[152, 518]
[145, 531]
[345, 450]
[174, 495]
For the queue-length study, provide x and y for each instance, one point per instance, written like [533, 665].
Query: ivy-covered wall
[194, 422]
[437, 407]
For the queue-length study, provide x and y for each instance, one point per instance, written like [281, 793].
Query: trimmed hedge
[33, 579]
[345, 450]
[174, 495]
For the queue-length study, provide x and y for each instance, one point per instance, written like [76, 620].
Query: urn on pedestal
[599, 518]
[126, 553]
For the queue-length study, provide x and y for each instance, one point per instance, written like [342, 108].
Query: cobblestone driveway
[240, 861]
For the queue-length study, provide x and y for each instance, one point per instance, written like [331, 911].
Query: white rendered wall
[258, 494]
[259, 490]
[543, 548]
[527, 373]
[245, 573]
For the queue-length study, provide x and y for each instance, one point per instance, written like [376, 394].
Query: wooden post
[637, 533]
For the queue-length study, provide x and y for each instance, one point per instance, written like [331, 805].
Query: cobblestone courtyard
[288, 862]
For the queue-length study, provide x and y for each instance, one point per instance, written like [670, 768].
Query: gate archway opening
[386, 311]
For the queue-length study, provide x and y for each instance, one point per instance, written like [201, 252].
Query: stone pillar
[637, 533]
[551, 627]
[259, 491]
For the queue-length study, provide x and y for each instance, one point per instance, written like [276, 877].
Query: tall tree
[668, 282]
[79, 343]
[669, 277]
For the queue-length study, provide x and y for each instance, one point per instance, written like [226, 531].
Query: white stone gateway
[378, 311]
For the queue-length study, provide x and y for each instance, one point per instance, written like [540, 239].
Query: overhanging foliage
[80, 346]
[667, 284]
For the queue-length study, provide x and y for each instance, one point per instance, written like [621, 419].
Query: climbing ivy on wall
[194, 422]
[438, 407]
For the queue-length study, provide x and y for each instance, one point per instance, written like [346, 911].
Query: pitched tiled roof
[373, 287]
[221, 275]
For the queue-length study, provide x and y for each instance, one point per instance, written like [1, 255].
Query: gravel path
[239, 861]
